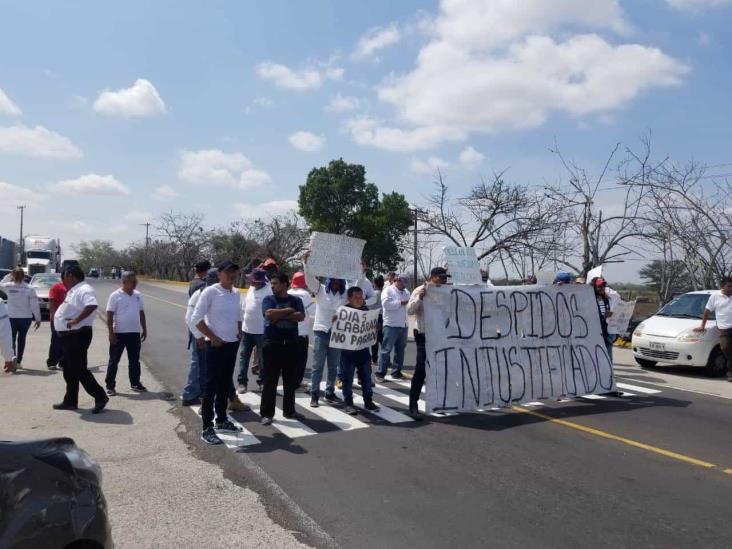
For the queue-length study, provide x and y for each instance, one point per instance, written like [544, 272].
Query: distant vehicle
[93, 273]
[669, 337]
[69, 263]
[42, 254]
[42, 284]
[8, 250]
[51, 496]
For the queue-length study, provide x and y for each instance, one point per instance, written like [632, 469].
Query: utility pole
[147, 233]
[22, 240]
[416, 211]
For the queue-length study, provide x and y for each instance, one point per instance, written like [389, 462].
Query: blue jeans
[248, 343]
[322, 351]
[196, 383]
[360, 362]
[395, 339]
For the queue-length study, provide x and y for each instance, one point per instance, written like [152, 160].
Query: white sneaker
[266, 421]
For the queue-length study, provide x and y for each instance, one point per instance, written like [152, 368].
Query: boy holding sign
[356, 361]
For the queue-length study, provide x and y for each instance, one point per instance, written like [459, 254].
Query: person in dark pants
[73, 321]
[56, 296]
[298, 288]
[438, 277]
[378, 288]
[192, 391]
[23, 309]
[282, 312]
[218, 317]
[125, 318]
[358, 361]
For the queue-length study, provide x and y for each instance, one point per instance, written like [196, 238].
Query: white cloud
[369, 133]
[259, 103]
[532, 62]
[7, 106]
[298, 80]
[429, 166]
[470, 158]
[215, 167]
[164, 192]
[38, 141]
[341, 103]
[142, 99]
[376, 39]
[265, 210]
[14, 195]
[93, 184]
[306, 141]
[697, 5]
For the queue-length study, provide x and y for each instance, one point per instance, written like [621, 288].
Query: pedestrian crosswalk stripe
[384, 412]
[340, 419]
[593, 397]
[396, 396]
[233, 439]
[405, 384]
[638, 388]
[288, 427]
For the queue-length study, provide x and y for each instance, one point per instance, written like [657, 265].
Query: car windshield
[45, 281]
[686, 306]
[38, 255]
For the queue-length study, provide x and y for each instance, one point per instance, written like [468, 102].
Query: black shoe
[415, 414]
[332, 397]
[53, 367]
[397, 375]
[228, 426]
[190, 402]
[314, 402]
[99, 405]
[209, 436]
[111, 392]
[64, 406]
[369, 405]
[139, 387]
[350, 410]
[295, 415]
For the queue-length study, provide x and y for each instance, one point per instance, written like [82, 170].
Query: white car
[42, 284]
[669, 337]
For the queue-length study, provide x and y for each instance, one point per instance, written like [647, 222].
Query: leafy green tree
[667, 278]
[338, 199]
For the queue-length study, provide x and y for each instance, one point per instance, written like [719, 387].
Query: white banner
[593, 273]
[462, 265]
[354, 329]
[622, 313]
[502, 346]
[335, 256]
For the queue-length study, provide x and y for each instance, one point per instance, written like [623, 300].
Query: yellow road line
[629, 442]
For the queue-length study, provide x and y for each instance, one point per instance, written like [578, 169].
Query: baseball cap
[227, 266]
[257, 275]
[269, 262]
[298, 281]
[600, 282]
[212, 277]
[563, 276]
[439, 271]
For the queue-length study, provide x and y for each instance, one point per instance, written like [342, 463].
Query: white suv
[669, 336]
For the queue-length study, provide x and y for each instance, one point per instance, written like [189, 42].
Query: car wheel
[717, 364]
[643, 363]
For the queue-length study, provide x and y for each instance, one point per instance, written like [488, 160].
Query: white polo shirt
[721, 306]
[192, 302]
[253, 321]
[77, 299]
[221, 309]
[22, 300]
[126, 309]
[394, 313]
[303, 327]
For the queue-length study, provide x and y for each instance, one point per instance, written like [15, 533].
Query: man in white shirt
[415, 308]
[6, 339]
[298, 288]
[73, 322]
[218, 317]
[253, 327]
[721, 305]
[125, 320]
[394, 301]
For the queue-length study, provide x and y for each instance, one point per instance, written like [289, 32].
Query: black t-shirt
[195, 285]
[284, 329]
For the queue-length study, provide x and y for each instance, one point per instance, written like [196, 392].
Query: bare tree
[283, 237]
[186, 234]
[603, 214]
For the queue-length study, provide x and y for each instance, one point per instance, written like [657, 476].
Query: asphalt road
[647, 470]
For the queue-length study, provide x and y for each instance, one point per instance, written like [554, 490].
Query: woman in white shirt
[23, 309]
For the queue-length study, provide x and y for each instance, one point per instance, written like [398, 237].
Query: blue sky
[223, 107]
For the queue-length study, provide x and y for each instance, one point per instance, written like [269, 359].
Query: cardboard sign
[335, 256]
[462, 265]
[622, 313]
[353, 329]
[495, 347]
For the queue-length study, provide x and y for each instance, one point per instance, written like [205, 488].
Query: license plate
[658, 346]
